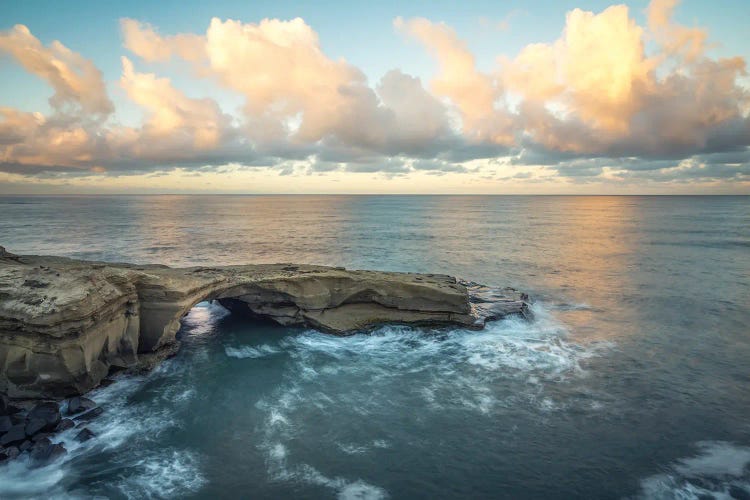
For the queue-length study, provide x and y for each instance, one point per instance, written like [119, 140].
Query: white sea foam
[360, 490]
[719, 470]
[247, 351]
[167, 474]
[279, 469]
[448, 370]
[460, 370]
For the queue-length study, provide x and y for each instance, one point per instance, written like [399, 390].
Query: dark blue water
[632, 381]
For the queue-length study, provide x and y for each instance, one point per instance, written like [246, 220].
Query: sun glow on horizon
[610, 105]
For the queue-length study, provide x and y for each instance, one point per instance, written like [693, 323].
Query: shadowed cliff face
[64, 324]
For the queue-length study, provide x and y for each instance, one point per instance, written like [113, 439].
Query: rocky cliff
[64, 323]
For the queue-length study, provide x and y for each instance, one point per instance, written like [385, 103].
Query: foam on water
[448, 370]
[455, 370]
[719, 470]
[247, 351]
[168, 473]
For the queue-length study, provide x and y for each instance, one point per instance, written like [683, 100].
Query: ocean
[632, 381]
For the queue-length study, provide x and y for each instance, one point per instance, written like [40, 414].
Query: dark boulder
[35, 426]
[9, 453]
[89, 415]
[42, 435]
[48, 452]
[5, 424]
[26, 445]
[79, 404]
[15, 435]
[6, 408]
[49, 412]
[41, 443]
[64, 425]
[84, 435]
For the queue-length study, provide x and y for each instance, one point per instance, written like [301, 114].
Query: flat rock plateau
[65, 323]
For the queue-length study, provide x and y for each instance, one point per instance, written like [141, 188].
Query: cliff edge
[65, 323]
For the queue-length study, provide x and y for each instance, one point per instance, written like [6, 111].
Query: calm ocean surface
[633, 381]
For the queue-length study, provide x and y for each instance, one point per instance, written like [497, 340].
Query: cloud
[473, 93]
[295, 95]
[689, 43]
[597, 70]
[32, 143]
[175, 122]
[607, 100]
[143, 40]
[76, 81]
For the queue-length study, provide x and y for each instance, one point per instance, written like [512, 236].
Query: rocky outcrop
[64, 323]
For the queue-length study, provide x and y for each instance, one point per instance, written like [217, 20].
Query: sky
[490, 97]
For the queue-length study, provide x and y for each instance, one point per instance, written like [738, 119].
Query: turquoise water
[632, 381]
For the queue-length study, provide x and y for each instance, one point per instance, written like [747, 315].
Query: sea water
[632, 381]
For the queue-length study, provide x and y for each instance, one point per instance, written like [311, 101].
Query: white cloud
[595, 92]
[76, 81]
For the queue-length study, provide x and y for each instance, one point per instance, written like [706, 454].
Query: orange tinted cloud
[606, 88]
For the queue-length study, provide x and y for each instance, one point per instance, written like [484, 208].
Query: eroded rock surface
[65, 323]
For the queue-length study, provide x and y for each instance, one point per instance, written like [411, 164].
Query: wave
[373, 377]
[719, 470]
[122, 434]
[511, 363]
[279, 469]
[166, 474]
[243, 352]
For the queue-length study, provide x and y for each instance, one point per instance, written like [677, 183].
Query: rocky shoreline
[66, 324]
[30, 429]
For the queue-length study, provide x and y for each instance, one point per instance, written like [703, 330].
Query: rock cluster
[32, 431]
[65, 324]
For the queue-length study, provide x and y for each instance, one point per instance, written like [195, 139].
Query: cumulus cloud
[597, 70]
[295, 95]
[77, 82]
[175, 122]
[473, 93]
[144, 41]
[608, 98]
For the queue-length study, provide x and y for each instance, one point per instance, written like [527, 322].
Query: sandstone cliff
[64, 323]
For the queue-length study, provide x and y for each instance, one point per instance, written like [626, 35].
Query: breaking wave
[719, 470]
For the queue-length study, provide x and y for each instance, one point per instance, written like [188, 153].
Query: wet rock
[84, 435]
[15, 435]
[5, 424]
[42, 435]
[41, 443]
[9, 453]
[35, 426]
[89, 415]
[26, 445]
[113, 315]
[6, 407]
[64, 425]
[739, 493]
[79, 404]
[49, 412]
[48, 452]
